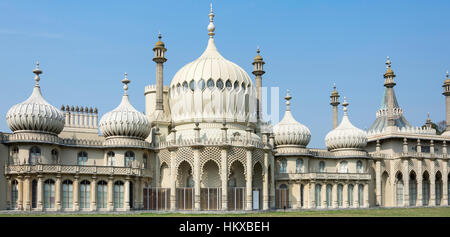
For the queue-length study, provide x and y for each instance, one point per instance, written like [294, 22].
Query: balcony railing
[76, 169]
[326, 176]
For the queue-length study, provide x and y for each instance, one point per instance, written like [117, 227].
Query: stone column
[137, 194]
[419, 182]
[173, 178]
[224, 176]
[299, 192]
[445, 183]
[324, 195]
[40, 193]
[405, 183]
[355, 195]
[27, 193]
[378, 182]
[334, 196]
[127, 194]
[20, 193]
[272, 182]
[110, 206]
[345, 195]
[249, 179]
[58, 193]
[366, 195]
[197, 178]
[266, 182]
[94, 194]
[312, 198]
[432, 184]
[157, 170]
[76, 193]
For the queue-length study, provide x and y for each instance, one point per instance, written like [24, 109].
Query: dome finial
[211, 26]
[125, 82]
[345, 104]
[288, 97]
[37, 71]
[388, 62]
[446, 75]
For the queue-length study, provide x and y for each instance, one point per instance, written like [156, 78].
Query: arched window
[350, 195]
[15, 155]
[329, 191]
[102, 194]
[317, 195]
[145, 161]
[14, 193]
[201, 84]
[321, 167]
[219, 84]
[340, 191]
[35, 155]
[360, 194]
[210, 84]
[118, 194]
[228, 85]
[185, 86]
[299, 165]
[34, 190]
[425, 189]
[412, 189]
[236, 86]
[438, 189]
[82, 158]
[67, 194]
[190, 181]
[283, 165]
[49, 193]
[55, 156]
[343, 167]
[399, 189]
[192, 85]
[110, 158]
[85, 194]
[129, 158]
[359, 167]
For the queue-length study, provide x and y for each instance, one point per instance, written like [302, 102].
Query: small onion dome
[346, 136]
[35, 114]
[159, 44]
[389, 71]
[334, 92]
[125, 120]
[258, 57]
[290, 132]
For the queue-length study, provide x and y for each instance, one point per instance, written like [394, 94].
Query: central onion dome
[125, 120]
[346, 136]
[289, 132]
[212, 89]
[35, 114]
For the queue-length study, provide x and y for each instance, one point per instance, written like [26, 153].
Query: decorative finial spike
[388, 62]
[257, 50]
[211, 26]
[446, 74]
[159, 35]
[345, 104]
[288, 97]
[334, 86]
[37, 71]
[125, 82]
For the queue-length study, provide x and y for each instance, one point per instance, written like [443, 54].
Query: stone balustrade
[324, 176]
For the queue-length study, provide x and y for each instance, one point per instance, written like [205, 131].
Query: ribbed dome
[35, 114]
[289, 131]
[212, 88]
[125, 120]
[346, 136]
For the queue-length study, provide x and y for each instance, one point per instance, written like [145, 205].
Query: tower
[258, 71]
[334, 103]
[446, 93]
[159, 59]
[389, 84]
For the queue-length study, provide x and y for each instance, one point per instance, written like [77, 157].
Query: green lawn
[378, 212]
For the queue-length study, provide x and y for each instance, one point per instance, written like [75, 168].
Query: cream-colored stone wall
[3, 183]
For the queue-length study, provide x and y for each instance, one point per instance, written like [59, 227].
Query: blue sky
[84, 47]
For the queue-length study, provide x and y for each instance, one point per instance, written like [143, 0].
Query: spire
[211, 26]
[345, 104]
[37, 71]
[428, 122]
[334, 96]
[125, 82]
[389, 75]
[288, 103]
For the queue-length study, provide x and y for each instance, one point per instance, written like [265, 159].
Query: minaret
[258, 71]
[428, 123]
[159, 59]
[446, 93]
[334, 103]
[389, 84]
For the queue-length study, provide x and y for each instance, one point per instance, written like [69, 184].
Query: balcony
[76, 170]
[323, 176]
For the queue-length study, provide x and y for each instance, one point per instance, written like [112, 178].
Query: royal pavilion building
[202, 144]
